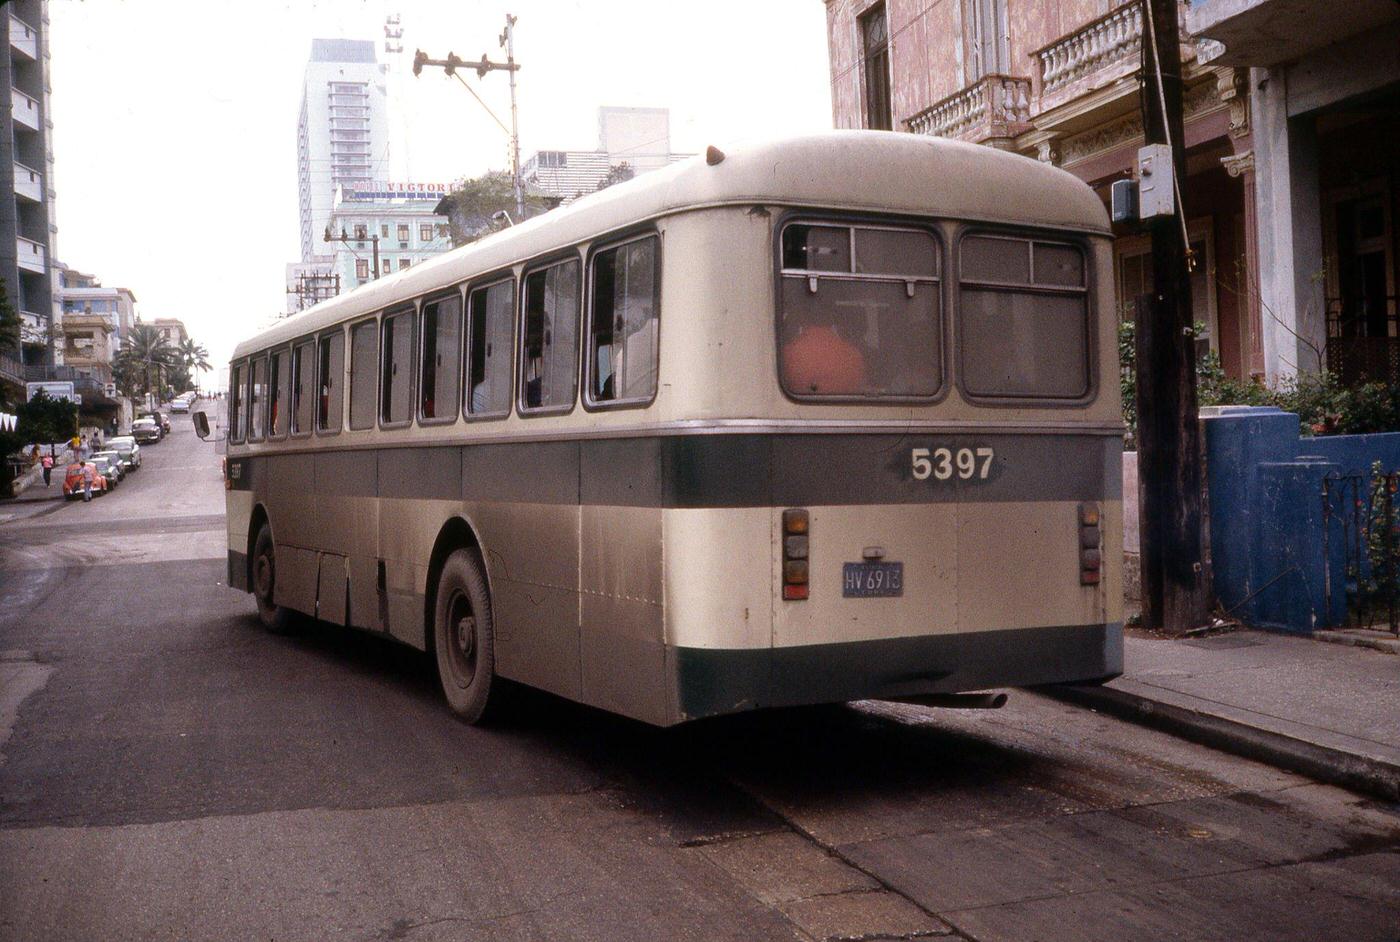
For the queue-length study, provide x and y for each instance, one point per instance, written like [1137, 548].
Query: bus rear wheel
[274, 617]
[463, 639]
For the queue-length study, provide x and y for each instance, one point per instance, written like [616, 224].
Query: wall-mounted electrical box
[1154, 171]
[1123, 202]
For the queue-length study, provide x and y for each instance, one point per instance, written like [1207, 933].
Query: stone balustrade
[1112, 38]
[993, 106]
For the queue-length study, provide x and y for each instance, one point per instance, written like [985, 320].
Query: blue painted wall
[1271, 561]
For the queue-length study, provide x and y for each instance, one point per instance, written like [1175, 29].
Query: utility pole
[450, 66]
[370, 237]
[1169, 447]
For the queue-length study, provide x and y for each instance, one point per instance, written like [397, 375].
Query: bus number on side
[942, 464]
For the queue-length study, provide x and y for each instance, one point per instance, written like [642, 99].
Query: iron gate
[1365, 506]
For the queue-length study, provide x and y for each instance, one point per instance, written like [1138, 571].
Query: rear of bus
[932, 500]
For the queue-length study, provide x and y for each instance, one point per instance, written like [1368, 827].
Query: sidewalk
[1329, 711]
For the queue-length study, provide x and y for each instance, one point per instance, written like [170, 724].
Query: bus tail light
[796, 524]
[1090, 539]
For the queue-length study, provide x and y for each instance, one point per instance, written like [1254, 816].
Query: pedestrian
[47, 461]
[89, 472]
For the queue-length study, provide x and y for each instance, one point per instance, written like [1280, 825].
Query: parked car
[109, 465]
[115, 457]
[76, 477]
[180, 405]
[126, 446]
[160, 418]
[146, 431]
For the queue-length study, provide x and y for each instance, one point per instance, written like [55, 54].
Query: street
[168, 770]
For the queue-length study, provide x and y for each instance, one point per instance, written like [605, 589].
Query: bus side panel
[238, 512]
[283, 489]
[347, 524]
[524, 500]
[622, 656]
[419, 488]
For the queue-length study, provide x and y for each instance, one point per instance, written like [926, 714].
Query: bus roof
[873, 171]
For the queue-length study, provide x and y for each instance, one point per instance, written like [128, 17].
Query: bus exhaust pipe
[958, 701]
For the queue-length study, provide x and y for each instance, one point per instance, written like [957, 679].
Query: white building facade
[639, 138]
[342, 132]
[397, 219]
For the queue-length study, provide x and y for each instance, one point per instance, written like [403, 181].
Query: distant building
[342, 132]
[81, 293]
[171, 330]
[639, 138]
[400, 215]
[28, 229]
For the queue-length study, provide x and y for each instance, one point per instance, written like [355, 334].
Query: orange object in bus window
[819, 360]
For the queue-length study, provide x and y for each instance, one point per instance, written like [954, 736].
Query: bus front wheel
[274, 617]
[463, 638]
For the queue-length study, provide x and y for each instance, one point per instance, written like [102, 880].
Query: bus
[821, 419]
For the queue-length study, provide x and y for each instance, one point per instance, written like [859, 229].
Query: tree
[617, 173]
[472, 205]
[194, 356]
[144, 361]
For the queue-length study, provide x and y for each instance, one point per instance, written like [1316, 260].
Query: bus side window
[490, 312]
[623, 324]
[440, 359]
[257, 378]
[329, 381]
[548, 351]
[303, 398]
[364, 363]
[237, 389]
[396, 381]
[278, 375]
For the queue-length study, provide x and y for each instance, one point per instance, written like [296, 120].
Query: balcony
[11, 369]
[26, 109]
[30, 255]
[996, 106]
[1267, 32]
[24, 40]
[1101, 52]
[29, 183]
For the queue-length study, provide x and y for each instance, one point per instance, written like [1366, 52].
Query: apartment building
[1291, 126]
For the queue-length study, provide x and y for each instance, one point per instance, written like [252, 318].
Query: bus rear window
[1023, 318]
[859, 313]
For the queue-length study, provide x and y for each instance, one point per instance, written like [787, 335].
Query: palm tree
[144, 350]
[195, 356]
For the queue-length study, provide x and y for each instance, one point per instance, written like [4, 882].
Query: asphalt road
[170, 771]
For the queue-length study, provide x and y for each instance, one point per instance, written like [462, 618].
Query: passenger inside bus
[817, 359]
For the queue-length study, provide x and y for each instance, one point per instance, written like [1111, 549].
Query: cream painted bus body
[635, 555]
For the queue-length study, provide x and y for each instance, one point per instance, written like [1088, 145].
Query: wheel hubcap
[462, 644]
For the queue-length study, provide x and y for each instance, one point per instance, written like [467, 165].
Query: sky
[175, 122]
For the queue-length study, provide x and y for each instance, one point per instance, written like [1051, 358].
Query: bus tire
[274, 617]
[463, 638]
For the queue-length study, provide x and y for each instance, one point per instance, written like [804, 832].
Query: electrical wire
[1167, 129]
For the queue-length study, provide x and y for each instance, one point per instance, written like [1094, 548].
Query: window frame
[421, 340]
[1077, 240]
[413, 311]
[584, 378]
[253, 404]
[238, 375]
[517, 290]
[349, 356]
[887, 78]
[565, 256]
[344, 424]
[942, 280]
[279, 351]
[296, 346]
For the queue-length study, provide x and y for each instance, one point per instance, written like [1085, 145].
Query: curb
[1359, 772]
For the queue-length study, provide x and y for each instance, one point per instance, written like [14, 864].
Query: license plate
[872, 580]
